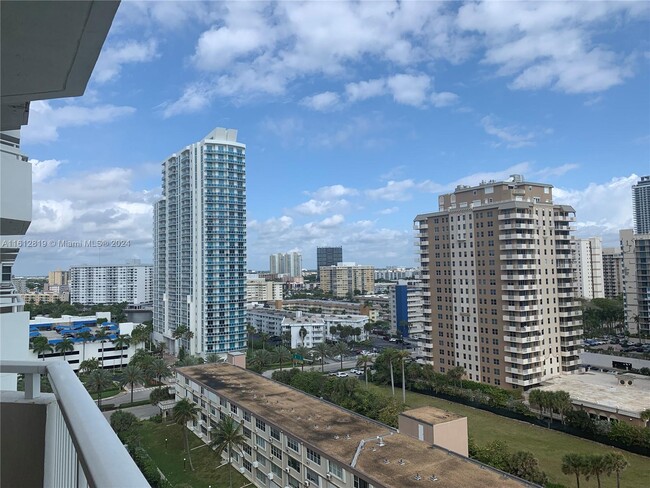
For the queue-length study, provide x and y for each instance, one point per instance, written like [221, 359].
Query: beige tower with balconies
[499, 284]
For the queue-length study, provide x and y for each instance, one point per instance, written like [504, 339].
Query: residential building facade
[612, 272]
[636, 281]
[407, 309]
[260, 290]
[200, 246]
[286, 263]
[328, 256]
[641, 205]
[296, 440]
[131, 282]
[588, 257]
[58, 277]
[347, 279]
[498, 283]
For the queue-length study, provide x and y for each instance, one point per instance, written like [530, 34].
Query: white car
[341, 374]
[358, 372]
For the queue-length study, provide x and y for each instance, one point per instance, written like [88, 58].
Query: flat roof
[431, 415]
[338, 433]
[604, 389]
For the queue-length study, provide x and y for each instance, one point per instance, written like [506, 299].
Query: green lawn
[548, 446]
[169, 455]
[106, 393]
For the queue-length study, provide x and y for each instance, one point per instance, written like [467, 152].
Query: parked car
[341, 374]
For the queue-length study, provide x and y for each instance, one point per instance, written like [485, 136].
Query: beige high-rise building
[498, 284]
[58, 277]
[636, 281]
[346, 279]
[588, 256]
[612, 272]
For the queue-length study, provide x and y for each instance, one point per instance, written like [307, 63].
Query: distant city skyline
[350, 135]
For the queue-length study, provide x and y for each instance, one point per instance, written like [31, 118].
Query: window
[275, 433]
[247, 416]
[276, 452]
[293, 444]
[261, 459]
[360, 483]
[259, 440]
[313, 456]
[223, 402]
[336, 470]
[247, 465]
[247, 432]
[247, 449]
[293, 483]
[260, 425]
[277, 470]
[293, 463]
[233, 408]
[312, 476]
[260, 476]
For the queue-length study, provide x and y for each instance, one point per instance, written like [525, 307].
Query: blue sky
[355, 115]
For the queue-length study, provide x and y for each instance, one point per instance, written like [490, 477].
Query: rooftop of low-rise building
[617, 391]
[380, 453]
[432, 416]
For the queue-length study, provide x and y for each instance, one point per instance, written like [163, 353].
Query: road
[138, 395]
[329, 367]
[142, 412]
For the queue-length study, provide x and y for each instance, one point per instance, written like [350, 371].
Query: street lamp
[165, 443]
[184, 459]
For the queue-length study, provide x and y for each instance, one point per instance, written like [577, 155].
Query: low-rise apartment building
[296, 440]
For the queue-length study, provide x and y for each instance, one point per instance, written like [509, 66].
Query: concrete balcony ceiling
[48, 50]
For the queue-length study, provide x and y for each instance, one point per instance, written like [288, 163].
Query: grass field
[548, 446]
[168, 456]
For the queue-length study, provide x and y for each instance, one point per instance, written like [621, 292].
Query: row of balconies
[520, 298]
[517, 360]
[515, 215]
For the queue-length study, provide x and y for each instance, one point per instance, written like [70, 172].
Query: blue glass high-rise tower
[200, 246]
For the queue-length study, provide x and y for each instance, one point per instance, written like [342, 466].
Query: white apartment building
[280, 322]
[200, 246]
[260, 290]
[500, 298]
[286, 264]
[131, 283]
[395, 273]
[354, 321]
[588, 261]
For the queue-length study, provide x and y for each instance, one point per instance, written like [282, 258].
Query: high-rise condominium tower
[641, 205]
[286, 263]
[328, 256]
[612, 272]
[636, 280]
[200, 246]
[588, 256]
[498, 283]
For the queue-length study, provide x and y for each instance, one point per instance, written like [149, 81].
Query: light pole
[184, 459]
[165, 443]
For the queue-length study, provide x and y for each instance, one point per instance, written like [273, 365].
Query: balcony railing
[78, 446]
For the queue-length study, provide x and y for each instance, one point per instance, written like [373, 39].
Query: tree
[340, 349]
[88, 366]
[365, 360]
[65, 346]
[250, 330]
[615, 463]
[123, 422]
[303, 352]
[130, 375]
[139, 334]
[213, 358]
[227, 438]
[595, 466]
[85, 336]
[260, 360]
[158, 369]
[158, 395]
[282, 354]
[264, 337]
[322, 349]
[41, 345]
[98, 380]
[574, 464]
[645, 416]
[182, 332]
[456, 374]
[526, 466]
[122, 341]
[302, 333]
[184, 412]
[101, 335]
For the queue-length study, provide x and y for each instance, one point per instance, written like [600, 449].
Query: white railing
[81, 449]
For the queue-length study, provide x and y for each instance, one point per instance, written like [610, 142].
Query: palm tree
[562, 403]
[228, 437]
[322, 349]
[402, 356]
[158, 369]
[645, 416]
[302, 333]
[264, 337]
[574, 464]
[281, 355]
[340, 349]
[184, 412]
[88, 366]
[535, 400]
[213, 357]
[250, 330]
[85, 337]
[64, 347]
[101, 335]
[456, 374]
[365, 360]
[261, 359]
[389, 354]
[122, 341]
[139, 334]
[130, 375]
[615, 463]
[98, 380]
[595, 466]
[183, 332]
[41, 345]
